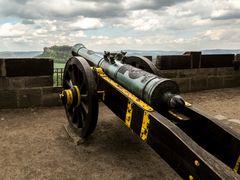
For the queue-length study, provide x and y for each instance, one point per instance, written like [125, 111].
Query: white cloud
[110, 24]
[85, 23]
[12, 30]
[231, 35]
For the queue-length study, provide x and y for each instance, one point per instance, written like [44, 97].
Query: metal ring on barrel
[80, 96]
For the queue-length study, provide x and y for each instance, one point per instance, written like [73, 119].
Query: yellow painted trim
[123, 90]
[236, 168]
[145, 124]
[175, 115]
[187, 104]
[196, 162]
[78, 95]
[191, 177]
[128, 117]
[69, 97]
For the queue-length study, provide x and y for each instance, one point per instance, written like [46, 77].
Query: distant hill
[59, 54]
[19, 54]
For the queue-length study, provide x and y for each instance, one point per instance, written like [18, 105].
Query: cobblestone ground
[34, 144]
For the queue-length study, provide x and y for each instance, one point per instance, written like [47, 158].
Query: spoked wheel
[80, 96]
[142, 63]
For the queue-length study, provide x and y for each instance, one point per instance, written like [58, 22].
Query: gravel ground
[34, 144]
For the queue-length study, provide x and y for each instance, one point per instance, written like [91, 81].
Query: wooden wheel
[80, 96]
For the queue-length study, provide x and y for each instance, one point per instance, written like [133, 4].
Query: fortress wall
[27, 82]
[191, 80]
[194, 71]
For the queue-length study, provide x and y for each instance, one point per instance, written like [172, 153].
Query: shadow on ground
[34, 145]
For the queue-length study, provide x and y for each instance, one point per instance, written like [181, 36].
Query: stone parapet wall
[193, 60]
[22, 82]
[30, 97]
[27, 82]
[203, 78]
[13, 67]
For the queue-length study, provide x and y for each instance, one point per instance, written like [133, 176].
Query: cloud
[27, 21]
[55, 9]
[149, 24]
[225, 14]
[8, 30]
[230, 34]
[85, 23]
[149, 4]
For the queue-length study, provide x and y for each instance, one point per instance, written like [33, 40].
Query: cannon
[195, 145]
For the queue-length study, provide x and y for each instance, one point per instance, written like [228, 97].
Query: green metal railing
[57, 77]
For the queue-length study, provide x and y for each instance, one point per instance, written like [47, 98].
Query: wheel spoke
[80, 121]
[69, 73]
[84, 113]
[78, 118]
[81, 80]
[84, 97]
[69, 83]
[73, 77]
[84, 108]
[74, 117]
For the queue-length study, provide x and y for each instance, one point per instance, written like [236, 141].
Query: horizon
[138, 50]
[220, 49]
[176, 25]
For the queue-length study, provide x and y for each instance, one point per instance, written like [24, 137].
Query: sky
[114, 25]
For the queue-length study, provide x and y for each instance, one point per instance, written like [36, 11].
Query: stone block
[195, 58]
[198, 83]
[2, 67]
[182, 73]
[50, 90]
[227, 71]
[217, 60]
[4, 83]
[16, 83]
[8, 99]
[215, 82]
[28, 66]
[51, 100]
[38, 81]
[169, 73]
[231, 81]
[29, 97]
[207, 72]
[173, 62]
[184, 84]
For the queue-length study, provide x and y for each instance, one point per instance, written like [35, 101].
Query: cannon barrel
[158, 92]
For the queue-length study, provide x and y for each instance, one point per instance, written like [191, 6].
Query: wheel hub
[71, 97]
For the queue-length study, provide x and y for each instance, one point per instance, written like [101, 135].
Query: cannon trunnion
[195, 145]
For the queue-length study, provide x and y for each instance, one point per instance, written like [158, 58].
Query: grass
[57, 77]
[58, 65]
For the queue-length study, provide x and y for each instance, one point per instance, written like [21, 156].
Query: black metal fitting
[109, 57]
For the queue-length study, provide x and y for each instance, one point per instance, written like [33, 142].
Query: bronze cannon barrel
[158, 92]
